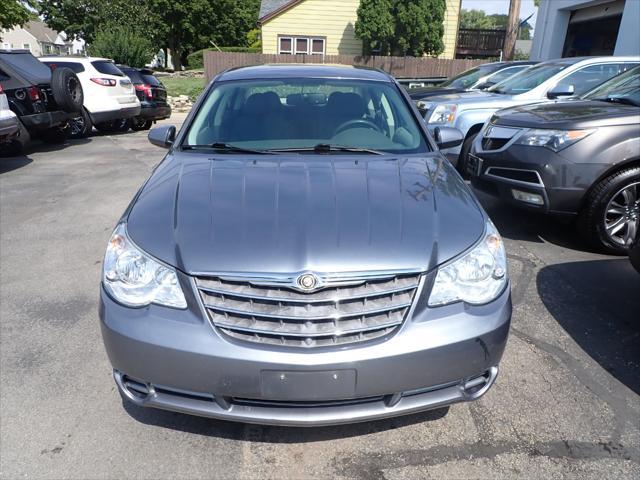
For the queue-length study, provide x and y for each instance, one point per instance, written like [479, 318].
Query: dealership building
[574, 28]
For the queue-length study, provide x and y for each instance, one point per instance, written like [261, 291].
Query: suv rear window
[107, 67]
[151, 80]
[76, 67]
[133, 74]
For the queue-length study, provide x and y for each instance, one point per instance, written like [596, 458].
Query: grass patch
[176, 86]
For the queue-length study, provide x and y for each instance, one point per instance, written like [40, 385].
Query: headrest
[346, 104]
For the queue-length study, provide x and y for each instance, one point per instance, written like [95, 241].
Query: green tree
[15, 12]
[419, 27]
[375, 25]
[122, 45]
[402, 27]
[182, 26]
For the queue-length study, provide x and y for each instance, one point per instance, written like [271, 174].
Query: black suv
[576, 158]
[152, 96]
[44, 101]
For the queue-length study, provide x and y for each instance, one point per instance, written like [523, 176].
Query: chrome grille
[336, 315]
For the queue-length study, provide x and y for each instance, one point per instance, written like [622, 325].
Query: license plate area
[306, 386]
[474, 165]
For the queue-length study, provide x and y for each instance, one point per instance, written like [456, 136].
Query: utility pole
[513, 24]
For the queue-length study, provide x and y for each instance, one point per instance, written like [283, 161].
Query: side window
[504, 74]
[587, 78]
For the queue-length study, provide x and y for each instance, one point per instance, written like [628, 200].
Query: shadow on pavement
[271, 434]
[524, 225]
[7, 164]
[598, 304]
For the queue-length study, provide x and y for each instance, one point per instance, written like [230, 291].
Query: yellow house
[327, 27]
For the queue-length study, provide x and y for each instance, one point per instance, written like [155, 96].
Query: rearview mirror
[163, 136]
[561, 90]
[447, 137]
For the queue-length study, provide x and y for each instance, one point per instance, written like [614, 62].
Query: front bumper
[559, 184]
[175, 360]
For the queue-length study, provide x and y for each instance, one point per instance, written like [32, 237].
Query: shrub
[195, 60]
[123, 45]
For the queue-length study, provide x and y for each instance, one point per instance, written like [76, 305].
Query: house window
[317, 46]
[286, 46]
[26, 46]
[301, 46]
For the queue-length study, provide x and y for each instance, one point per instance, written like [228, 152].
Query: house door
[592, 37]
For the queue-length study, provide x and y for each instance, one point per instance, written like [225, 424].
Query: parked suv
[477, 78]
[43, 102]
[110, 99]
[544, 82]
[303, 255]
[576, 157]
[152, 96]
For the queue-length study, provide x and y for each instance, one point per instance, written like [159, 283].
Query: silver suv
[544, 82]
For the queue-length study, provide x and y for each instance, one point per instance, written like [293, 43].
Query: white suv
[109, 97]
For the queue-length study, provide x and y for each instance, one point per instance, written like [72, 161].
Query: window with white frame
[301, 45]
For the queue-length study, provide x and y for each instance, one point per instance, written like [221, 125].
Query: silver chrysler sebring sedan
[304, 255]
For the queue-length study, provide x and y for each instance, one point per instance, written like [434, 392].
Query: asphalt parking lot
[566, 403]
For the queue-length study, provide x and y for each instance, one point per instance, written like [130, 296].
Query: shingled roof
[269, 8]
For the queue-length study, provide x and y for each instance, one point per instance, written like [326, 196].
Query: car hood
[228, 213]
[569, 114]
[428, 92]
[480, 99]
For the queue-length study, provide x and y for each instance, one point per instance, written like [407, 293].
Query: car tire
[54, 135]
[463, 158]
[138, 124]
[122, 125]
[67, 90]
[81, 126]
[612, 212]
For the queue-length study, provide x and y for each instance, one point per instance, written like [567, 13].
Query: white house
[38, 38]
[572, 28]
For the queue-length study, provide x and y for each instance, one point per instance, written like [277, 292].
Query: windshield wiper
[327, 148]
[620, 100]
[225, 147]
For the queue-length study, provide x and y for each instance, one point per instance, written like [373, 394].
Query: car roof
[72, 58]
[587, 60]
[273, 71]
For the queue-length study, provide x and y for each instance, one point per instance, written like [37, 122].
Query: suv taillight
[34, 93]
[105, 82]
[146, 89]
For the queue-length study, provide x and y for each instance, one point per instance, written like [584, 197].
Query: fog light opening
[526, 197]
[475, 387]
[135, 390]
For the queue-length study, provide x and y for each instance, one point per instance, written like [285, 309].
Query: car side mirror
[561, 90]
[447, 137]
[423, 107]
[163, 136]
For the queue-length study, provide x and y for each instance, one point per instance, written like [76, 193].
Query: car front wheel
[611, 216]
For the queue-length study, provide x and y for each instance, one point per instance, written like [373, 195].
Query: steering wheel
[357, 123]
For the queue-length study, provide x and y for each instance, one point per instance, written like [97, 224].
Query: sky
[502, 6]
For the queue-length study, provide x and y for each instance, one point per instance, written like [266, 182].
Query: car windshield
[468, 78]
[299, 114]
[528, 79]
[624, 88]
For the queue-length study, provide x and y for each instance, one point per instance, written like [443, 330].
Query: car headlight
[477, 277]
[443, 114]
[554, 140]
[135, 279]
